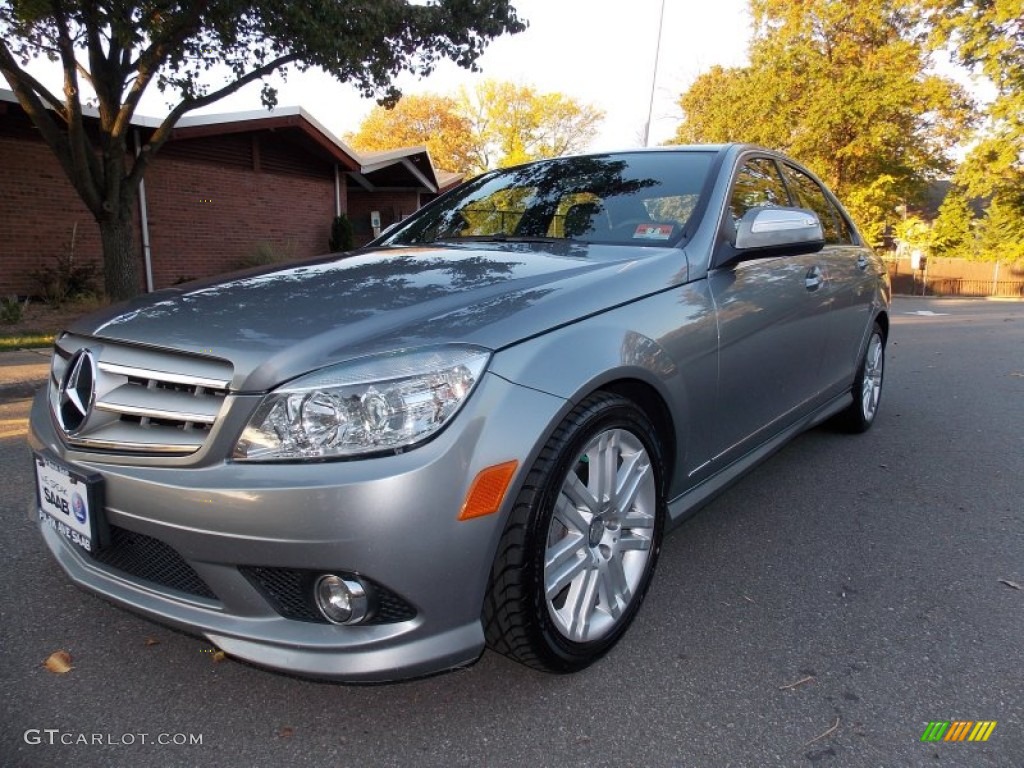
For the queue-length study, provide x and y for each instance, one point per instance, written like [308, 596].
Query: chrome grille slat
[150, 439]
[146, 401]
[166, 376]
[170, 364]
[155, 403]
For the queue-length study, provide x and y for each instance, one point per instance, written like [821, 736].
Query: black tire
[867, 386]
[615, 557]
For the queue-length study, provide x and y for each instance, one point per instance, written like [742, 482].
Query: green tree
[952, 230]
[914, 234]
[198, 53]
[1001, 233]
[431, 120]
[987, 37]
[844, 87]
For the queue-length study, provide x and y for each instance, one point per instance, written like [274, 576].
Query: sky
[600, 52]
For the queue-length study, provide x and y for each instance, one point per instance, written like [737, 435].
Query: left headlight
[373, 404]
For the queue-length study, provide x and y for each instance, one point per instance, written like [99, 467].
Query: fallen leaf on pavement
[1010, 584]
[58, 662]
[150, 641]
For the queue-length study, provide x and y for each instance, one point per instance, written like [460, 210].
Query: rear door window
[810, 195]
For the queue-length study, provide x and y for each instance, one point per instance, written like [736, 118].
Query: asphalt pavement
[822, 612]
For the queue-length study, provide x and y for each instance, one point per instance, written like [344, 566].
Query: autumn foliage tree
[844, 86]
[199, 52]
[495, 124]
[429, 120]
[515, 123]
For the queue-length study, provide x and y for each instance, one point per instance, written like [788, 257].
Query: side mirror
[778, 232]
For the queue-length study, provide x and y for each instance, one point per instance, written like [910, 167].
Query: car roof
[731, 147]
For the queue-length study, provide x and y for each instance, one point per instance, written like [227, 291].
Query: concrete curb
[20, 390]
[23, 372]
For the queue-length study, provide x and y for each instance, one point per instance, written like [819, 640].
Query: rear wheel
[867, 387]
[582, 541]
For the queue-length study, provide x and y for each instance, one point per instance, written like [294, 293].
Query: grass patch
[27, 340]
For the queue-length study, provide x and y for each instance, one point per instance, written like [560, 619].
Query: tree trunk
[120, 271]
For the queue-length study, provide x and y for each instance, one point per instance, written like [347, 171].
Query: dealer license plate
[71, 503]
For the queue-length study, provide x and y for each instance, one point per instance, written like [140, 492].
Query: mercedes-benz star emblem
[77, 390]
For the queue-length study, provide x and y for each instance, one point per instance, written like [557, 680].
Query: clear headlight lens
[379, 403]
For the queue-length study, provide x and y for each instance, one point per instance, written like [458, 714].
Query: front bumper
[392, 520]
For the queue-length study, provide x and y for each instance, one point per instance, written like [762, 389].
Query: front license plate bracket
[71, 503]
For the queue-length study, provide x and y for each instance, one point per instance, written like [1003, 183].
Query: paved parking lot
[821, 612]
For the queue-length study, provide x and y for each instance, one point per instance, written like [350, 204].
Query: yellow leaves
[215, 653]
[58, 662]
[870, 204]
[429, 120]
[497, 124]
[515, 123]
[914, 232]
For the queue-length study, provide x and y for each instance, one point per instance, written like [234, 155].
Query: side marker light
[488, 490]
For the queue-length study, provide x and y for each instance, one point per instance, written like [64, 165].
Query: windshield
[640, 198]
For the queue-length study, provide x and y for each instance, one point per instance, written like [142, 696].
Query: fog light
[341, 601]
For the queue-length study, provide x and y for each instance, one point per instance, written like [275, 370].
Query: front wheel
[580, 547]
[867, 387]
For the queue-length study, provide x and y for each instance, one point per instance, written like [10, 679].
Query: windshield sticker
[653, 231]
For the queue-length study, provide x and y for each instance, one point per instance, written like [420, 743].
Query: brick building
[221, 190]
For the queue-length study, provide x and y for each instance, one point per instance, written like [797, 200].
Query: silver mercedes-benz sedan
[473, 432]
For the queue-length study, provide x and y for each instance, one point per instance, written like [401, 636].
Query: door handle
[862, 262]
[814, 278]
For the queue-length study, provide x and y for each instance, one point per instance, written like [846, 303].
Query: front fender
[667, 342]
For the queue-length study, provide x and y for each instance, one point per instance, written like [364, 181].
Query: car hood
[276, 324]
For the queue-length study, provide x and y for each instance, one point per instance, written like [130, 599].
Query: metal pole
[654, 77]
[337, 191]
[147, 251]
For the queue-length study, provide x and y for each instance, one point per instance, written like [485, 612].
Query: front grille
[290, 592]
[145, 401]
[144, 557]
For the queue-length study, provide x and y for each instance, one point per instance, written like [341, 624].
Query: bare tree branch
[151, 57]
[32, 87]
[88, 172]
[148, 64]
[163, 132]
[103, 69]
